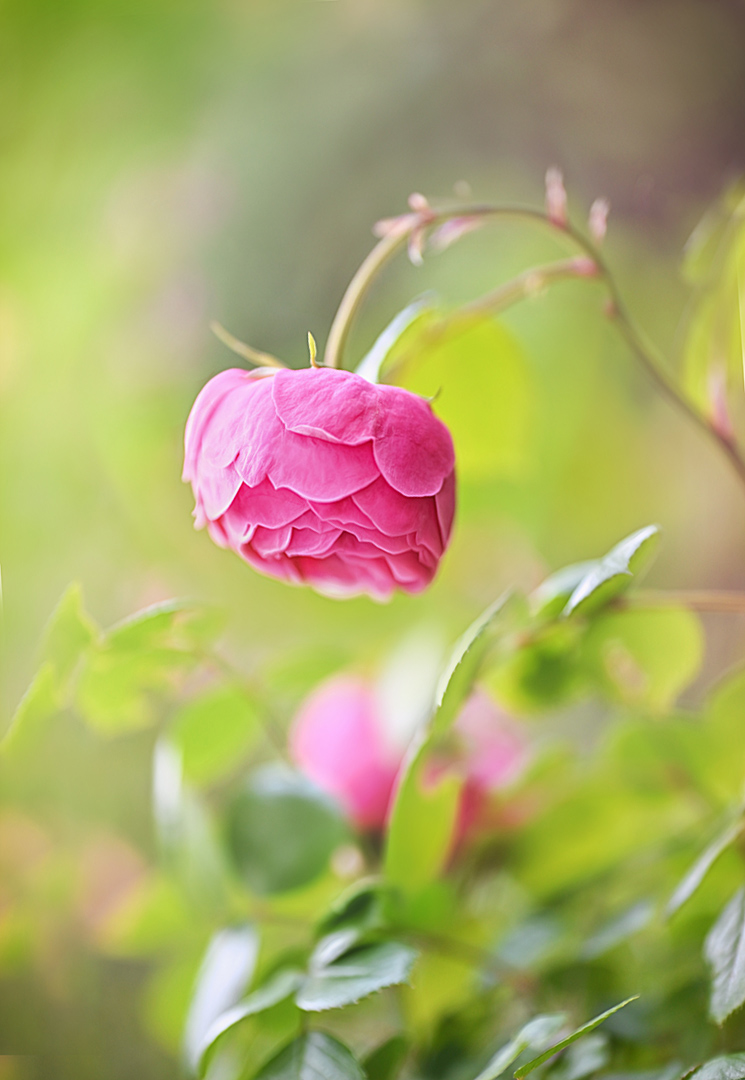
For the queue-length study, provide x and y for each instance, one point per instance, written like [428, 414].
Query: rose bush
[341, 739]
[321, 477]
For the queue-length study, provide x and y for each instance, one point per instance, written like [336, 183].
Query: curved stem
[720, 601]
[642, 348]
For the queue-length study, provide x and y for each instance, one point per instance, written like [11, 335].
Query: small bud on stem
[313, 351]
[598, 220]
[556, 197]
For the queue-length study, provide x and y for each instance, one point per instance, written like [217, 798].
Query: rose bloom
[340, 740]
[320, 477]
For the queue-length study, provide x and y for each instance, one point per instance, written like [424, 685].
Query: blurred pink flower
[320, 477]
[339, 740]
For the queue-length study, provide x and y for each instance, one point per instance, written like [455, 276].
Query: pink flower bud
[452, 230]
[556, 197]
[319, 477]
[598, 219]
[340, 740]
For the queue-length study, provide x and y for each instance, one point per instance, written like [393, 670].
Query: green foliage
[612, 575]
[226, 971]
[274, 991]
[137, 662]
[644, 657]
[703, 864]
[312, 1056]
[386, 1061]
[426, 803]
[214, 732]
[725, 953]
[727, 1067]
[354, 975]
[281, 830]
[578, 1033]
[445, 358]
[69, 632]
[534, 1036]
[434, 938]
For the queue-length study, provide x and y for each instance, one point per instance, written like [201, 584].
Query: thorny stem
[646, 353]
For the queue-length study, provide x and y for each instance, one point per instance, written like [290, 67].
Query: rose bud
[320, 477]
[341, 740]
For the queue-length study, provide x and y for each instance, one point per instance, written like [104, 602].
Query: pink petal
[328, 404]
[391, 512]
[267, 505]
[268, 542]
[413, 449]
[312, 468]
[445, 503]
[337, 740]
[409, 572]
[312, 542]
[344, 575]
[210, 397]
[495, 749]
[216, 490]
[279, 566]
[344, 512]
[242, 420]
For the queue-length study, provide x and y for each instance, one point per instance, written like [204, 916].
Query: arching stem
[415, 223]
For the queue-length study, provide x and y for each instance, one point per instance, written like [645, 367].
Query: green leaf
[225, 972]
[185, 831]
[172, 624]
[645, 656]
[533, 1036]
[421, 826]
[727, 1067]
[702, 865]
[477, 372]
[355, 975]
[386, 1061]
[583, 1059]
[613, 574]
[467, 657]
[314, 1056]
[140, 660]
[371, 365]
[551, 596]
[35, 710]
[214, 732]
[529, 1066]
[546, 671]
[426, 805]
[275, 990]
[359, 907]
[68, 634]
[282, 830]
[724, 950]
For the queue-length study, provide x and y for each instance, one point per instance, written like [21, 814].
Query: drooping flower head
[320, 477]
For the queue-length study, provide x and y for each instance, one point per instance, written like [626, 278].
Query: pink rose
[319, 477]
[340, 740]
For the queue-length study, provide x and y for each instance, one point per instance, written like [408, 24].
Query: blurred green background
[166, 163]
